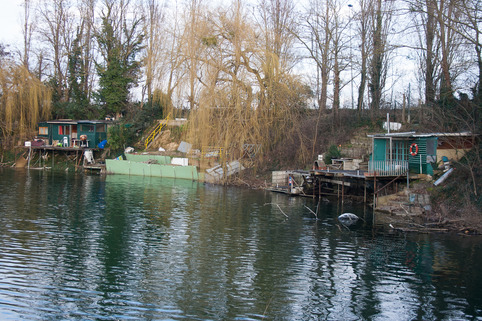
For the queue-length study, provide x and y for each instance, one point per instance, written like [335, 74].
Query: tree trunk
[429, 58]
[376, 68]
[446, 91]
[336, 86]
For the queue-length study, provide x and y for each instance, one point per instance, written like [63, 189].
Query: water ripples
[137, 248]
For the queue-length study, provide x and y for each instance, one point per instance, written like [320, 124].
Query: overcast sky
[10, 21]
[11, 12]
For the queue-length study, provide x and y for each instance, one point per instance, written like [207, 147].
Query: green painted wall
[162, 160]
[379, 149]
[427, 150]
[154, 170]
[94, 136]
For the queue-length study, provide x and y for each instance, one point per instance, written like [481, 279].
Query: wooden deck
[336, 182]
[58, 148]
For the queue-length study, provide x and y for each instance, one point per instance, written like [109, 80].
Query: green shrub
[120, 136]
[333, 152]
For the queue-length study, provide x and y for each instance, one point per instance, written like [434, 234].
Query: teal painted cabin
[67, 132]
[396, 153]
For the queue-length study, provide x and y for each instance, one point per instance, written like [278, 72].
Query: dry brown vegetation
[24, 100]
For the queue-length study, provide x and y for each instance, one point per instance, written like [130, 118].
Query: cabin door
[74, 132]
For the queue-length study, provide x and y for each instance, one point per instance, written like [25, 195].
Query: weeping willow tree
[247, 97]
[24, 100]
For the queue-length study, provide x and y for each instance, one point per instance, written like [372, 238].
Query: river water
[82, 247]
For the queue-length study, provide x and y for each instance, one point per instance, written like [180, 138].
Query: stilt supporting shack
[337, 183]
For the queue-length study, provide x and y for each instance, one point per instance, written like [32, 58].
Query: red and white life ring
[413, 152]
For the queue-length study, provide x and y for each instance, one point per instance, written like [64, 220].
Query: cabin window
[87, 128]
[61, 130]
[43, 130]
[431, 146]
[399, 150]
[100, 128]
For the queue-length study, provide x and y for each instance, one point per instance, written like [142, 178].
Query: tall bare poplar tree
[153, 29]
[363, 31]
[381, 18]
[87, 40]
[27, 30]
[192, 47]
[440, 44]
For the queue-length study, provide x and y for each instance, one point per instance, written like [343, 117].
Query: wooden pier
[74, 154]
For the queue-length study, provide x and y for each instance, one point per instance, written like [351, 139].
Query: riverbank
[448, 208]
[426, 209]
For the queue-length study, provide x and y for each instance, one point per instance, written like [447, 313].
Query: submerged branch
[278, 207]
[309, 209]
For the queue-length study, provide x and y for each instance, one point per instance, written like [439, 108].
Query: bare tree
[466, 23]
[57, 31]
[192, 47]
[341, 52]
[317, 39]
[441, 50]
[381, 19]
[28, 29]
[277, 23]
[325, 37]
[86, 32]
[152, 26]
[363, 19]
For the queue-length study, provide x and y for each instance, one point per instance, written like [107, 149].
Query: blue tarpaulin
[102, 144]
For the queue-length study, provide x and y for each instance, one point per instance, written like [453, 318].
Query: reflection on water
[120, 247]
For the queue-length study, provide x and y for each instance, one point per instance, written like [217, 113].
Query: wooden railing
[156, 131]
[387, 168]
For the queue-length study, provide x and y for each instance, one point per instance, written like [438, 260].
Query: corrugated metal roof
[74, 122]
[414, 135]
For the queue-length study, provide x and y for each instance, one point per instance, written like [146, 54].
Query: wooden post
[342, 190]
[365, 191]
[314, 185]
[29, 156]
[319, 187]
[421, 170]
[408, 180]
[374, 189]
